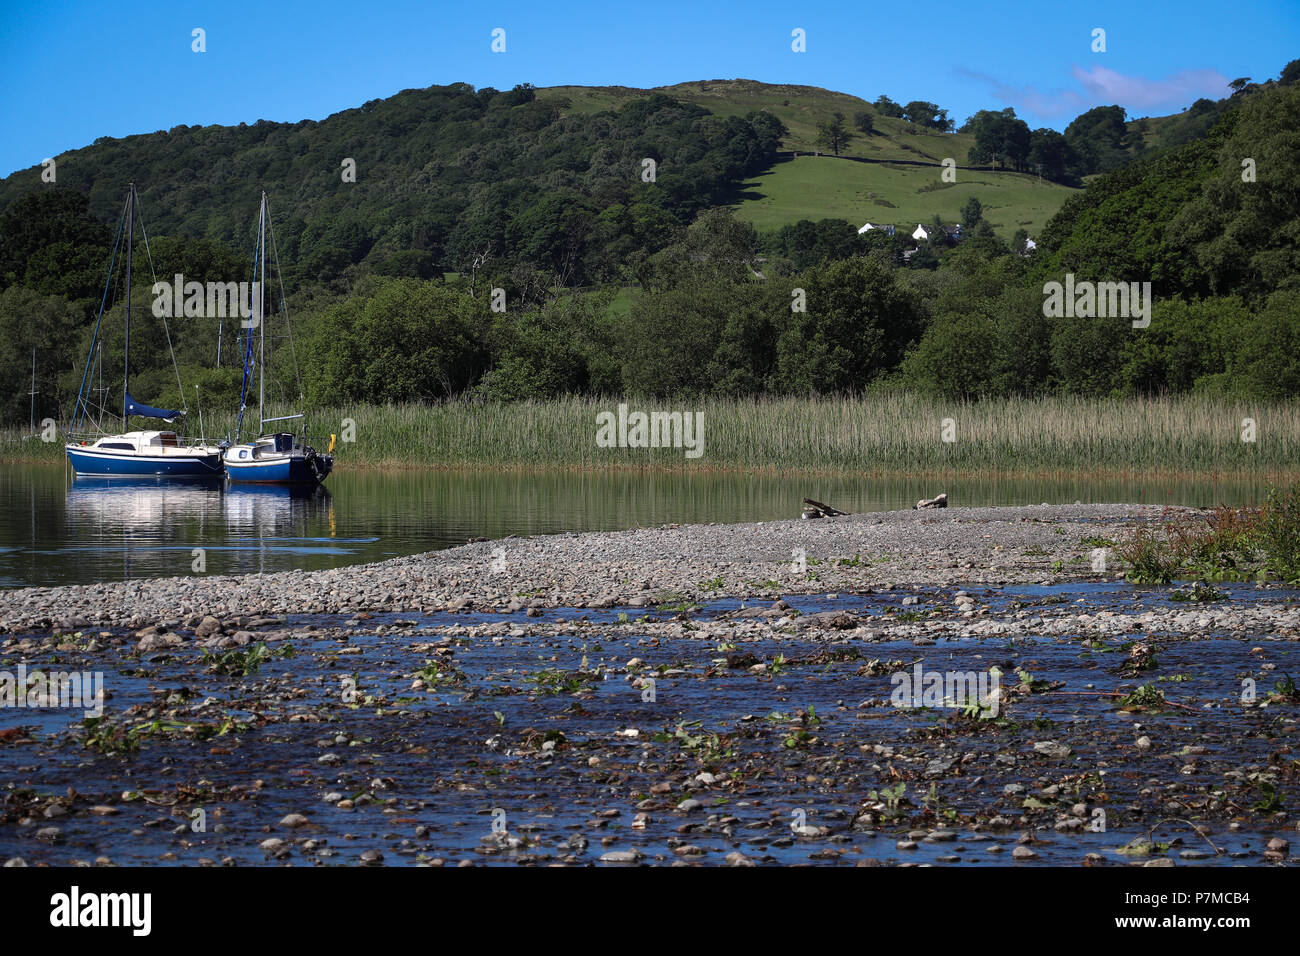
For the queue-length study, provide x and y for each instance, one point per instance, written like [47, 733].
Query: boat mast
[126, 346]
[261, 361]
[33, 391]
[103, 389]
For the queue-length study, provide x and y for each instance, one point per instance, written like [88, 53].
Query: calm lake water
[56, 529]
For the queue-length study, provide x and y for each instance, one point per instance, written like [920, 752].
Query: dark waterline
[55, 529]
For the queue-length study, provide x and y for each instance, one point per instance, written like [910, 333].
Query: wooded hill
[621, 285]
[554, 176]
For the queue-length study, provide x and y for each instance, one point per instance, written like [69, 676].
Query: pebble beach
[679, 695]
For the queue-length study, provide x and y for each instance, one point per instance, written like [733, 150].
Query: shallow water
[55, 529]
[430, 768]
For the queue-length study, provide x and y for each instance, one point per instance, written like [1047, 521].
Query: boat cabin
[139, 441]
[267, 446]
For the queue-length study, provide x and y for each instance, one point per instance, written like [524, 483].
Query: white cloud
[1102, 86]
[1137, 94]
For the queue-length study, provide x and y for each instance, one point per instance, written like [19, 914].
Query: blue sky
[75, 71]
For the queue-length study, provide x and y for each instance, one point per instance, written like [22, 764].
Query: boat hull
[106, 464]
[279, 470]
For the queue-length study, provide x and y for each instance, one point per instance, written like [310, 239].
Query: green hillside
[549, 177]
[417, 183]
[823, 187]
[899, 183]
[801, 108]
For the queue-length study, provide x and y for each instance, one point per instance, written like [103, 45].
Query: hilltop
[890, 175]
[802, 109]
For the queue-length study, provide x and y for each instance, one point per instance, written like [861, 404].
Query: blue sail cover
[148, 411]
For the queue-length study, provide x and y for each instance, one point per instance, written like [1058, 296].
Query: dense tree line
[717, 314]
[615, 285]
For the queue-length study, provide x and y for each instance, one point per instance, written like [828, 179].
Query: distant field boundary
[782, 157]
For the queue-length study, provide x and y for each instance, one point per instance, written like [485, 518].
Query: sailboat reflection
[134, 505]
[128, 528]
[163, 528]
[279, 526]
[273, 510]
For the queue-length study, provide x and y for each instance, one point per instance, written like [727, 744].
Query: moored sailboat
[277, 457]
[133, 453]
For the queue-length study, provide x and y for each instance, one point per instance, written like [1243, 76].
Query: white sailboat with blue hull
[276, 457]
[133, 454]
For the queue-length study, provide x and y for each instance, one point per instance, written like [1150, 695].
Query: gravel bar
[635, 568]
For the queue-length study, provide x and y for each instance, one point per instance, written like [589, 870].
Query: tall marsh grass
[878, 433]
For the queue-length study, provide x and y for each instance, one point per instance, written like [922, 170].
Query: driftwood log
[938, 501]
[815, 509]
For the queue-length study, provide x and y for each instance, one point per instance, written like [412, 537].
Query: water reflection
[274, 525]
[272, 510]
[55, 529]
[108, 507]
[158, 527]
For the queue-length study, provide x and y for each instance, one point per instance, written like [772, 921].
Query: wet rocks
[837, 620]
[207, 627]
[158, 642]
[622, 856]
[1053, 749]
[809, 832]
[713, 777]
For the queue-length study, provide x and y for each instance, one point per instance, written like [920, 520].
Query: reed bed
[870, 434]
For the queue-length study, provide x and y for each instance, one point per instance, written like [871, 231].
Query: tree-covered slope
[1220, 214]
[442, 175]
[542, 194]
